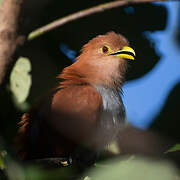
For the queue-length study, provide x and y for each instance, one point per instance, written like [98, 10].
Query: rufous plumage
[85, 109]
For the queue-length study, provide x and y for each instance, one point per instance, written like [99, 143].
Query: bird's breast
[112, 102]
[113, 115]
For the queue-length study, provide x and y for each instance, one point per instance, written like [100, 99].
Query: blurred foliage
[20, 79]
[135, 169]
[129, 167]
[11, 169]
[174, 148]
[2, 165]
[20, 82]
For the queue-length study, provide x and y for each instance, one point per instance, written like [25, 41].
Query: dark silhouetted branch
[83, 13]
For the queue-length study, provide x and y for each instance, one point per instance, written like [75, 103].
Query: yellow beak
[126, 53]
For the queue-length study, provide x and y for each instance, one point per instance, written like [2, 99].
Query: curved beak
[126, 53]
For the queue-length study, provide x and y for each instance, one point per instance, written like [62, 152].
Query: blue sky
[144, 98]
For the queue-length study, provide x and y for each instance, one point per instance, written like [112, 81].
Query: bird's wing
[76, 111]
[71, 113]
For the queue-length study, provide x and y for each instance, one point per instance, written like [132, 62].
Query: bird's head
[103, 60]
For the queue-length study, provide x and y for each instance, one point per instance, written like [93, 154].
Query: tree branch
[53, 162]
[9, 39]
[84, 13]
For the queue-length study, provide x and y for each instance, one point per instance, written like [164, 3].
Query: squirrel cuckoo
[85, 109]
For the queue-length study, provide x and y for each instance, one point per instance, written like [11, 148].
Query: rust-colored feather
[74, 112]
[21, 140]
[69, 117]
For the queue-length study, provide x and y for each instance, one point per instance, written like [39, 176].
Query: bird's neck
[73, 75]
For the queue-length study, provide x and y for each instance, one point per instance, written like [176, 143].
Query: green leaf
[3, 155]
[135, 169]
[174, 148]
[87, 178]
[2, 164]
[20, 80]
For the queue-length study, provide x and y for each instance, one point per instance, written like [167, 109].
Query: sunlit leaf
[3, 154]
[113, 147]
[2, 165]
[20, 80]
[174, 148]
[87, 178]
[135, 169]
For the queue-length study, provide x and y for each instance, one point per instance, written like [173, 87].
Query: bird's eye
[104, 49]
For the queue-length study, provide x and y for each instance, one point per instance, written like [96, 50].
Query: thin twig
[83, 13]
[58, 162]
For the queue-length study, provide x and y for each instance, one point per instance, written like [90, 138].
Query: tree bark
[9, 38]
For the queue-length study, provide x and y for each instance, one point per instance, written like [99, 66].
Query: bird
[85, 109]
